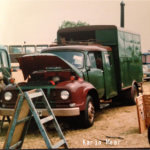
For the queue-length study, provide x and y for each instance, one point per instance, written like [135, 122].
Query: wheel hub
[91, 111]
[135, 95]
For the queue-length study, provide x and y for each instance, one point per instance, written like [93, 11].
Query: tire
[135, 93]
[149, 134]
[87, 116]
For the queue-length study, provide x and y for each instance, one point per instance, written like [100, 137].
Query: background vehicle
[5, 63]
[20, 50]
[146, 66]
[5, 69]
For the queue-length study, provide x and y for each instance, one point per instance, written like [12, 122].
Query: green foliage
[68, 24]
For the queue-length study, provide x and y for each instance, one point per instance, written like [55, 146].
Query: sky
[37, 21]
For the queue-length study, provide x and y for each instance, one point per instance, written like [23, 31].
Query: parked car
[146, 73]
[146, 66]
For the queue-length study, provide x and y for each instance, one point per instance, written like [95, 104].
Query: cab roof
[95, 47]
[92, 28]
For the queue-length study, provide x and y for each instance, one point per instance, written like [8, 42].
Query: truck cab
[96, 64]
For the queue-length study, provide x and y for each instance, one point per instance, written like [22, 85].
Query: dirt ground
[115, 121]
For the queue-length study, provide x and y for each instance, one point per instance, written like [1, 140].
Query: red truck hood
[35, 62]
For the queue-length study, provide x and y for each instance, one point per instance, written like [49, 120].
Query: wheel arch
[132, 87]
[93, 93]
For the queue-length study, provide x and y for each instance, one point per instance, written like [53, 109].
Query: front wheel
[87, 116]
[135, 93]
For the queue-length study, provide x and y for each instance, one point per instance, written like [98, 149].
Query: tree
[68, 24]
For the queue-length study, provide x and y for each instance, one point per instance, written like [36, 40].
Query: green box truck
[88, 64]
[126, 51]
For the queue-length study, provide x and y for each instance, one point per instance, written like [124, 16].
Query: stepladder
[24, 110]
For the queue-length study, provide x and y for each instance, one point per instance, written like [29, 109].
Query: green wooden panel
[138, 73]
[128, 43]
[106, 36]
[130, 58]
[121, 44]
[96, 78]
[109, 76]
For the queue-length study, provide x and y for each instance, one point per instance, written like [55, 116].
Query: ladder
[24, 110]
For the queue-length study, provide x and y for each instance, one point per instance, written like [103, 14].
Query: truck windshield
[75, 58]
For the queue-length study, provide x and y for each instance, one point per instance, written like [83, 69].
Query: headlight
[64, 95]
[7, 96]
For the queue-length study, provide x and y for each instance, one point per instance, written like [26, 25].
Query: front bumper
[58, 112]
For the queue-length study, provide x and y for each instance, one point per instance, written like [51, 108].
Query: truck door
[109, 75]
[95, 74]
[4, 63]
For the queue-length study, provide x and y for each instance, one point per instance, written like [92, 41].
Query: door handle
[102, 71]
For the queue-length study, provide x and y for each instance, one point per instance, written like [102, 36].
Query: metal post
[122, 14]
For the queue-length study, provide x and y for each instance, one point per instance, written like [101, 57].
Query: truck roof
[96, 47]
[92, 28]
[87, 28]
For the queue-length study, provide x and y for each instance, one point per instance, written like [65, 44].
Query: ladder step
[15, 145]
[23, 120]
[46, 119]
[36, 94]
[58, 144]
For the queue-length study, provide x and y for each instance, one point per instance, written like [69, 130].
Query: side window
[0, 61]
[40, 47]
[15, 49]
[92, 60]
[28, 49]
[98, 57]
[143, 59]
[88, 61]
[107, 60]
[148, 59]
[4, 59]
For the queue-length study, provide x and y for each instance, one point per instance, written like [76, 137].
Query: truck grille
[39, 103]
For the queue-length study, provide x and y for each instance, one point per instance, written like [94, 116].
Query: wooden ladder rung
[46, 119]
[23, 120]
[35, 94]
[58, 144]
[15, 145]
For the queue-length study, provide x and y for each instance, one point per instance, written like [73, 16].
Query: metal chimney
[122, 14]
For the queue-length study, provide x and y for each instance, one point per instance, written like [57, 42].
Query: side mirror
[88, 68]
